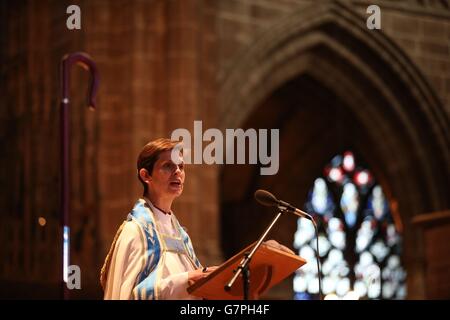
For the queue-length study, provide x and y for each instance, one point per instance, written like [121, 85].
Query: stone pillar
[191, 95]
[436, 237]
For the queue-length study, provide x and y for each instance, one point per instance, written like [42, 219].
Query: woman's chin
[176, 191]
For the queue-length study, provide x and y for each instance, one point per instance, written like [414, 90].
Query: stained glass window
[359, 244]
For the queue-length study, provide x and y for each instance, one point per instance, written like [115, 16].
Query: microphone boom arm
[266, 198]
[243, 266]
[288, 207]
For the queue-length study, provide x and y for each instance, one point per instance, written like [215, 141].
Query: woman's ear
[143, 173]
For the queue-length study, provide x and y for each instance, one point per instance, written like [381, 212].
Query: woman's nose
[177, 169]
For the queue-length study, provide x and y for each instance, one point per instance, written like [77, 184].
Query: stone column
[435, 227]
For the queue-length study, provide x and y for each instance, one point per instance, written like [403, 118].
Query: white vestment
[130, 257]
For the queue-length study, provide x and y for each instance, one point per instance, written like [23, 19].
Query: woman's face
[167, 178]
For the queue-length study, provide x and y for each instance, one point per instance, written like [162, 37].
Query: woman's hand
[194, 276]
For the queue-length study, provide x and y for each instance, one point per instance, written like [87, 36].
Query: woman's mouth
[176, 183]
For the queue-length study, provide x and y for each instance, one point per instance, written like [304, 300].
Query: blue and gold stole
[156, 244]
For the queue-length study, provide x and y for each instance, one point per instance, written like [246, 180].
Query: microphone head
[265, 198]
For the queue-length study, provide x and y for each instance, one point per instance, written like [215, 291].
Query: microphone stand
[244, 264]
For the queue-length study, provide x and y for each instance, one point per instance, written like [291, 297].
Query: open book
[269, 266]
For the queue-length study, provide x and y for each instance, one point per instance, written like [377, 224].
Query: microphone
[267, 199]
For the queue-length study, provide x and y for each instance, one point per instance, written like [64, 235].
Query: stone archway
[389, 114]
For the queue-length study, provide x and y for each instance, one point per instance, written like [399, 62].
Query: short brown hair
[150, 154]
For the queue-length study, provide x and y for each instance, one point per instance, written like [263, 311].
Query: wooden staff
[83, 60]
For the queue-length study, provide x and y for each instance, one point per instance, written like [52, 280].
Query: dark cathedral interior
[350, 98]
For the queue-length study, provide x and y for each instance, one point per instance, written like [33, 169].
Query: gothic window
[359, 243]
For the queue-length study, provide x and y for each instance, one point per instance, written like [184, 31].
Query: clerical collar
[165, 212]
[159, 209]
